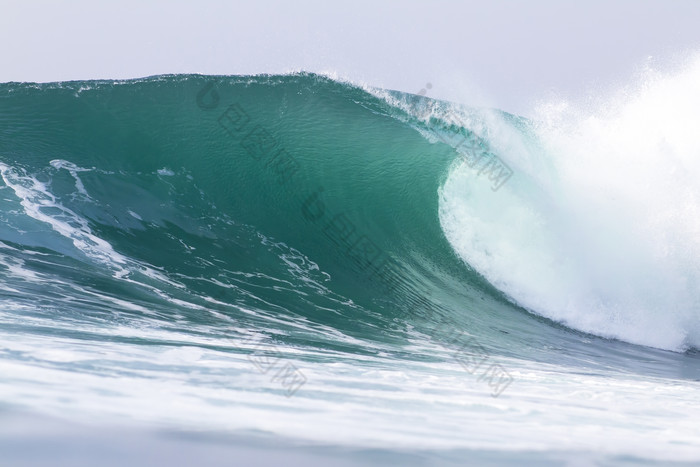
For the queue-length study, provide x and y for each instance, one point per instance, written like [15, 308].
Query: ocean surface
[297, 270]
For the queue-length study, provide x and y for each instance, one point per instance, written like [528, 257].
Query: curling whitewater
[318, 261]
[600, 229]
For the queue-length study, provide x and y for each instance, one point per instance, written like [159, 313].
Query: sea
[301, 270]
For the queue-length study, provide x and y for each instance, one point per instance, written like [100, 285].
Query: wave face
[293, 196]
[177, 222]
[588, 220]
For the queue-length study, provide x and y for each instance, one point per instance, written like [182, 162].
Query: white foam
[40, 204]
[134, 215]
[600, 228]
[73, 170]
[37, 200]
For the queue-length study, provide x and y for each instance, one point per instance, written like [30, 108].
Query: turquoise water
[343, 267]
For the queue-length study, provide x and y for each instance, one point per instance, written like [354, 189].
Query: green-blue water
[278, 254]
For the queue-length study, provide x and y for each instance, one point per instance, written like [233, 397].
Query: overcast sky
[507, 54]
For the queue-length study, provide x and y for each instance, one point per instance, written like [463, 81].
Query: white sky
[501, 53]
